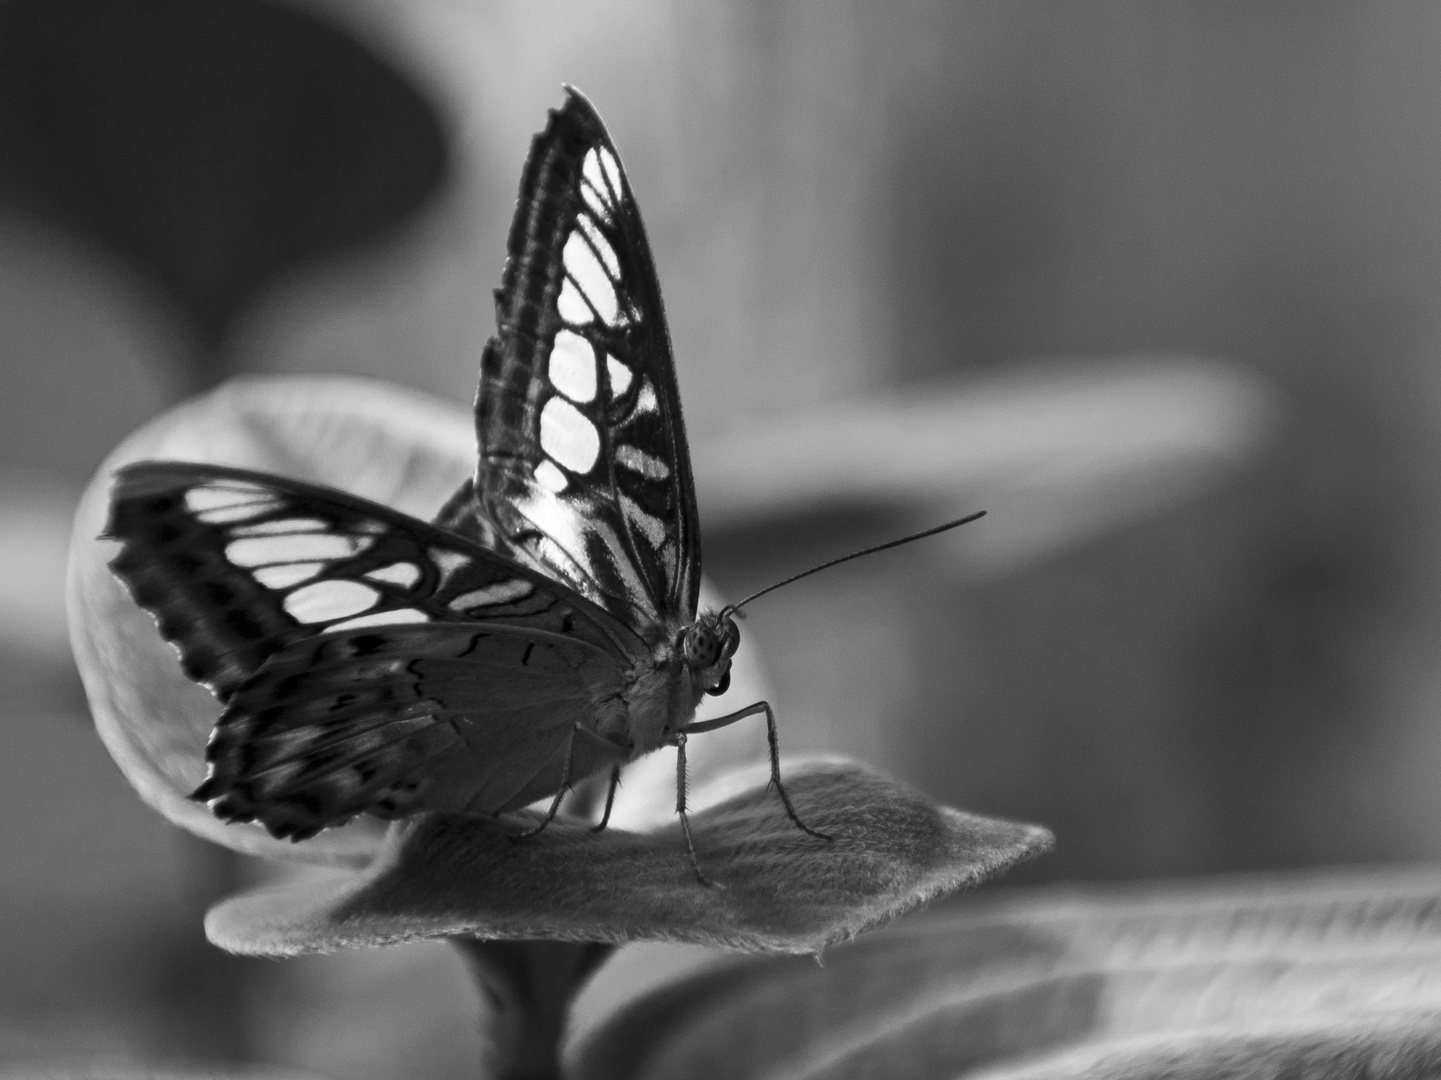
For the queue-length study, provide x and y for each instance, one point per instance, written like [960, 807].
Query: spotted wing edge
[225, 623]
[524, 317]
[400, 720]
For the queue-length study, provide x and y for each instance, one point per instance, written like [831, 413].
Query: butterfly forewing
[237, 564]
[368, 660]
[583, 467]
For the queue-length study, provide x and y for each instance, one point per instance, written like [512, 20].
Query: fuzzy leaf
[778, 889]
[1296, 976]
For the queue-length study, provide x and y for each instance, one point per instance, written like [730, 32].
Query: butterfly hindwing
[583, 467]
[401, 719]
[237, 564]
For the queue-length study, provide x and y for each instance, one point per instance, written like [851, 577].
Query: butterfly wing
[445, 675]
[434, 717]
[583, 468]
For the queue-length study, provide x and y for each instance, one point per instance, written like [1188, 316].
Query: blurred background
[1156, 286]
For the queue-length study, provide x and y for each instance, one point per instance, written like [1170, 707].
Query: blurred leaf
[142, 1072]
[1055, 452]
[213, 146]
[1325, 976]
[778, 889]
[1377, 1049]
[35, 514]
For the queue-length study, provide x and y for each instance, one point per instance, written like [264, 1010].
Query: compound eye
[721, 687]
[701, 647]
[730, 639]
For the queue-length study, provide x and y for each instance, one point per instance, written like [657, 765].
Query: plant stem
[529, 986]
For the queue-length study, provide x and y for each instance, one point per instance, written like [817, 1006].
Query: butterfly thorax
[687, 662]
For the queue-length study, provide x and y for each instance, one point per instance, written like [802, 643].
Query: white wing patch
[568, 436]
[280, 527]
[253, 551]
[325, 601]
[572, 366]
[550, 478]
[651, 526]
[502, 592]
[284, 575]
[217, 505]
[571, 304]
[584, 268]
[403, 574]
[620, 376]
[383, 618]
[601, 187]
[639, 461]
[600, 246]
[450, 562]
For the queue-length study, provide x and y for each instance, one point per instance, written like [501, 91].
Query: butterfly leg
[603, 744]
[609, 799]
[680, 809]
[775, 746]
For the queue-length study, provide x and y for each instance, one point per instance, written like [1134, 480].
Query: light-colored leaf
[1055, 452]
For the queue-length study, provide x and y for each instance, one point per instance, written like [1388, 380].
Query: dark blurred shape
[212, 146]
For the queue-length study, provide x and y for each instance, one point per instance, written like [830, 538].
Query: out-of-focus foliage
[1326, 977]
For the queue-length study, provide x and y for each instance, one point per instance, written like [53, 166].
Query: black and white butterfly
[544, 629]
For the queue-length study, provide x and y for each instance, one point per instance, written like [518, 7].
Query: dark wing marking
[583, 468]
[397, 720]
[237, 565]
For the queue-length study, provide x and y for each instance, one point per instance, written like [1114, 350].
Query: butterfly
[542, 630]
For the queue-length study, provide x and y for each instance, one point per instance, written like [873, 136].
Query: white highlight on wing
[403, 574]
[634, 588]
[639, 461]
[224, 515]
[550, 478]
[449, 561]
[302, 547]
[327, 600]
[383, 618]
[200, 499]
[646, 402]
[572, 366]
[281, 526]
[620, 376]
[650, 526]
[568, 436]
[572, 306]
[583, 266]
[601, 246]
[502, 592]
[597, 193]
[284, 575]
[556, 521]
[611, 168]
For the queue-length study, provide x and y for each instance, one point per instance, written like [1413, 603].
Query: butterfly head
[708, 645]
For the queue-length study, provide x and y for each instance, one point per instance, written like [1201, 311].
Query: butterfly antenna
[731, 609]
